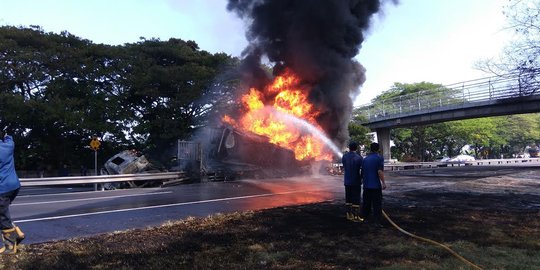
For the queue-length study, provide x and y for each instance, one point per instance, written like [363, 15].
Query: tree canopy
[357, 132]
[57, 91]
[522, 53]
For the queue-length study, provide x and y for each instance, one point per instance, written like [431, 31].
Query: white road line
[80, 192]
[91, 199]
[34, 189]
[156, 206]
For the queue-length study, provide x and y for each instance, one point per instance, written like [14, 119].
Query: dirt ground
[471, 187]
[489, 215]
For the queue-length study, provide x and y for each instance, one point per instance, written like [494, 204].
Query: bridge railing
[456, 95]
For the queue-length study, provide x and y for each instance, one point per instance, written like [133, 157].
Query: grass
[315, 236]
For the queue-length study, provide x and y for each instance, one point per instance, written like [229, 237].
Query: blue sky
[417, 40]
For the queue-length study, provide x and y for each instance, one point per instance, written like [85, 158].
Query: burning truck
[295, 115]
[266, 137]
[224, 153]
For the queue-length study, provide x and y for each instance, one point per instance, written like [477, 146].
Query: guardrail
[480, 162]
[96, 179]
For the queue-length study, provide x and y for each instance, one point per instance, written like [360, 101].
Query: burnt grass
[495, 231]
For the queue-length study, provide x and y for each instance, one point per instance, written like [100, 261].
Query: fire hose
[431, 241]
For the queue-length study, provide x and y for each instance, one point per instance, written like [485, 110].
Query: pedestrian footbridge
[515, 93]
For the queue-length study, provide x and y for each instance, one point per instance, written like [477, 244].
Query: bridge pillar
[383, 138]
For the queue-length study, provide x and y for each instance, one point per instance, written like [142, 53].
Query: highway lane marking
[161, 206]
[34, 189]
[94, 198]
[80, 192]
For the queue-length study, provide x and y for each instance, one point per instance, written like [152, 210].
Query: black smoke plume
[316, 39]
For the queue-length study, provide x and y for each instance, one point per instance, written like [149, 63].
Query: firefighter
[374, 184]
[9, 188]
[352, 165]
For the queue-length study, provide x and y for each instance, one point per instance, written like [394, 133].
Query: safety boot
[9, 237]
[20, 234]
[356, 213]
[350, 215]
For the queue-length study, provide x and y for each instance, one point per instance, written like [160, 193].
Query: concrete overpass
[492, 96]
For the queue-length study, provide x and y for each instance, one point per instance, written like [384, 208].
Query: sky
[435, 41]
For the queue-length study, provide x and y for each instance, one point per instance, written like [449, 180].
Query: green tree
[57, 91]
[60, 85]
[357, 132]
[172, 87]
[481, 133]
[518, 131]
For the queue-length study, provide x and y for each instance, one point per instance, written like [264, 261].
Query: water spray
[306, 126]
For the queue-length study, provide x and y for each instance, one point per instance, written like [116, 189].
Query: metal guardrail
[456, 95]
[480, 162]
[72, 180]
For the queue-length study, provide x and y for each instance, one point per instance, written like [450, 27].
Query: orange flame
[284, 95]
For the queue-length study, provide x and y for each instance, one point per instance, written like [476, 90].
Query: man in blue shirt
[352, 164]
[373, 178]
[9, 188]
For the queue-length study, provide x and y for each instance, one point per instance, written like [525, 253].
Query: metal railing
[480, 162]
[458, 95]
[74, 180]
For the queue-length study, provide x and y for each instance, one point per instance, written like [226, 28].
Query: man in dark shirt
[373, 178]
[352, 164]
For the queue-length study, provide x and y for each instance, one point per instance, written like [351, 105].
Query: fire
[286, 96]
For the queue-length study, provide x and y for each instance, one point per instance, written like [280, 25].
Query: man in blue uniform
[373, 178]
[9, 188]
[352, 164]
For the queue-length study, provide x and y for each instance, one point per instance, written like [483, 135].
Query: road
[58, 213]
[49, 214]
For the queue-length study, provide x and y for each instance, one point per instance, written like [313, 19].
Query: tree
[522, 54]
[404, 89]
[481, 133]
[518, 131]
[171, 89]
[357, 132]
[57, 91]
[55, 94]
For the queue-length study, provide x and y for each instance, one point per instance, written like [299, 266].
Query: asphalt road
[57, 213]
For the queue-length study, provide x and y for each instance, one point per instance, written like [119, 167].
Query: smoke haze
[317, 40]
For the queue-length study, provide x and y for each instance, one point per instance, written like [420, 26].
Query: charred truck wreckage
[221, 153]
[225, 153]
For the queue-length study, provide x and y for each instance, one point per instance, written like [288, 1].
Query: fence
[481, 162]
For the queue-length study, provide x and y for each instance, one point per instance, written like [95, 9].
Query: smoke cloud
[316, 39]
